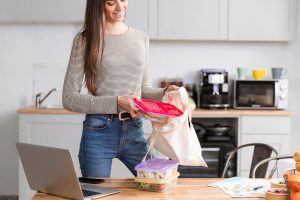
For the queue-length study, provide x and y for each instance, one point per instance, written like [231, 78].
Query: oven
[215, 155]
[216, 142]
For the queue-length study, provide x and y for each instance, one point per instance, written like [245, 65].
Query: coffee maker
[214, 89]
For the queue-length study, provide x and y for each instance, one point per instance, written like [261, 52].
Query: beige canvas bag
[177, 138]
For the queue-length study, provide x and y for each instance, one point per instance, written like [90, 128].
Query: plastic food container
[157, 111]
[156, 185]
[154, 117]
[278, 183]
[277, 194]
[157, 169]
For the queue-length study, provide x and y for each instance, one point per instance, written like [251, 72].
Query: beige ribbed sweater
[123, 71]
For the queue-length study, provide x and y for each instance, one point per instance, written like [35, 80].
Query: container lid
[158, 108]
[156, 165]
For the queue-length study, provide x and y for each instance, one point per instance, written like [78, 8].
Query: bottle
[192, 91]
[178, 82]
[165, 82]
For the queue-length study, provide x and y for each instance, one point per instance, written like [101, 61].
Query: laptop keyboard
[86, 193]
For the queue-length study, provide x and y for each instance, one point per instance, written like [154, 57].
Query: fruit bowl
[277, 194]
[278, 183]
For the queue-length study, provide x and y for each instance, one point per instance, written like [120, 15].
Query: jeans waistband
[120, 116]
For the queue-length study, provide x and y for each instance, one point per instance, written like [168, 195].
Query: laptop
[51, 170]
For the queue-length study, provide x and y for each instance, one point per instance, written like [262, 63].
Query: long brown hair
[93, 36]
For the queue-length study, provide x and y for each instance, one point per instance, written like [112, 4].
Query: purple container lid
[156, 165]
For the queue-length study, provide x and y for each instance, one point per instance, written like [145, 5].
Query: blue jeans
[105, 137]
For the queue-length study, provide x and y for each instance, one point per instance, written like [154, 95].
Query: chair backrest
[267, 160]
[261, 151]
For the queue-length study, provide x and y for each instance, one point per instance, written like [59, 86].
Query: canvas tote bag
[177, 138]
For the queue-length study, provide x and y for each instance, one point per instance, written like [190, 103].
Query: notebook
[51, 170]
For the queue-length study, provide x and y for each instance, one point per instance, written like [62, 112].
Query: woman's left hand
[127, 104]
[171, 88]
[171, 93]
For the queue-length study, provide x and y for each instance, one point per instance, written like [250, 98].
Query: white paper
[243, 187]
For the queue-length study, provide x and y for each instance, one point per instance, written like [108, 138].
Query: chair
[261, 152]
[267, 160]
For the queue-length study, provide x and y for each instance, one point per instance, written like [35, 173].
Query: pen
[258, 187]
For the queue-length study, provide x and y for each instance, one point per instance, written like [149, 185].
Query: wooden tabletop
[186, 189]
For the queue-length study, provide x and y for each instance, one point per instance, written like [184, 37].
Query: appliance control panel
[282, 94]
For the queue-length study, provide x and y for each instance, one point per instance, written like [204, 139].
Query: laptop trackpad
[102, 190]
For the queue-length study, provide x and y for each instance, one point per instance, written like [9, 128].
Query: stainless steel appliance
[214, 88]
[260, 94]
[216, 144]
[215, 155]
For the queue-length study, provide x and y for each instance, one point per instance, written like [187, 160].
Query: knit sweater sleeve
[147, 91]
[72, 98]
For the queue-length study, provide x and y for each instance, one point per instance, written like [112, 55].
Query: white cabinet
[46, 11]
[192, 19]
[272, 130]
[261, 20]
[142, 14]
[236, 20]
[62, 131]
[271, 125]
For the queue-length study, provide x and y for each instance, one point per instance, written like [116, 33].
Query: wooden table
[186, 189]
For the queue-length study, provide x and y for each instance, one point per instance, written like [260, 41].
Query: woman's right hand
[126, 103]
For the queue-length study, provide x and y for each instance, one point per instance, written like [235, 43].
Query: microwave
[260, 94]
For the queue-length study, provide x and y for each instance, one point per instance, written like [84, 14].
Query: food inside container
[277, 194]
[153, 117]
[156, 185]
[278, 183]
[157, 111]
[157, 169]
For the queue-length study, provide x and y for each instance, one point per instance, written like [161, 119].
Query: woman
[111, 58]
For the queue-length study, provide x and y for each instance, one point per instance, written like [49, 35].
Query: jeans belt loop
[124, 116]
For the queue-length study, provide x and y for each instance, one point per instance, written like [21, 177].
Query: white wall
[20, 47]
[185, 59]
[23, 45]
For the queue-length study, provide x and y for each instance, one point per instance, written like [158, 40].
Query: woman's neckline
[119, 34]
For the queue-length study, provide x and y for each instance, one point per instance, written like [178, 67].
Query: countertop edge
[195, 113]
[54, 111]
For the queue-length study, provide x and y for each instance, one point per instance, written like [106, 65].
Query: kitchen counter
[56, 111]
[195, 113]
[186, 188]
[239, 113]
[63, 129]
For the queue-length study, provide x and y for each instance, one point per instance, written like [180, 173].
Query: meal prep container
[157, 111]
[156, 185]
[157, 169]
[154, 117]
